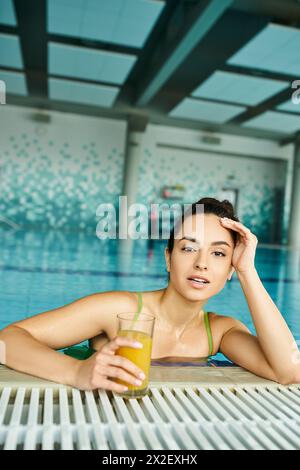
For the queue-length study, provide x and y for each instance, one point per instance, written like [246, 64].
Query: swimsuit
[84, 352]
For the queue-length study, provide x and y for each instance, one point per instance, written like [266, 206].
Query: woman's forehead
[203, 229]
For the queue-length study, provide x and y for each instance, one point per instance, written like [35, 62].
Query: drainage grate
[176, 418]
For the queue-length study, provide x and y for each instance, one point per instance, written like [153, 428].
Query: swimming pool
[40, 271]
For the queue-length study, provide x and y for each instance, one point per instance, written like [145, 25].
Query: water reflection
[44, 270]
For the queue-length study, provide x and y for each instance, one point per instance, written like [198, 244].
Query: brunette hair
[211, 206]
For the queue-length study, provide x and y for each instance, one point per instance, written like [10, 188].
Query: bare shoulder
[118, 296]
[81, 319]
[223, 323]
[113, 302]
[117, 301]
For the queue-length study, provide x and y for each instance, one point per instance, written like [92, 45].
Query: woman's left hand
[245, 248]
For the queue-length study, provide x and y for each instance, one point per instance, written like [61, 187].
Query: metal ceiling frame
[205, 19]
[187, 33]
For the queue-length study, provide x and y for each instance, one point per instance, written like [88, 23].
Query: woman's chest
[191, 343]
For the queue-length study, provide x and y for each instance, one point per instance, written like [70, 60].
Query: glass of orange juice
[138, 328]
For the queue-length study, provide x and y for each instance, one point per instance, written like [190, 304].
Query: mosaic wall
[55, 175]
[260, 183]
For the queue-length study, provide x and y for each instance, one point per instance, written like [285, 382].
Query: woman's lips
[197, 285]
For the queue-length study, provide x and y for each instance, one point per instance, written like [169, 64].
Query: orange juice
[140, 357]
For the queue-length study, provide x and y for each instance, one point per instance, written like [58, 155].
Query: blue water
[41, 271]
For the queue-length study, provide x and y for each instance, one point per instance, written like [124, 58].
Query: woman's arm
[98, 341]
[29, 345]
[242, 348]
[274, 339]
[22, 352]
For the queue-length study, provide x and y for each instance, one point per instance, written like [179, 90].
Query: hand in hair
[245, 248]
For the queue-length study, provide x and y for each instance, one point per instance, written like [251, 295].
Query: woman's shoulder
[224, 322]
[218, 317]
[110, 304]
[126, 301]
[220, 320]
[123, 299]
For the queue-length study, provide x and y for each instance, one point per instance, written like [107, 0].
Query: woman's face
[209, 257]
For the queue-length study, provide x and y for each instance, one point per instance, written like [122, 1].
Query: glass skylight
[15, 82]
[279, 122]
[80, 62]
[7, 13]
[126, 22]
[275, 49]
[290, 106]
[10, 52]
[75, 92]
[237, 88]
[205, 111]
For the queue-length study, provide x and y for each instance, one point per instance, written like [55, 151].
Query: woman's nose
[201, 262]
[201, 266]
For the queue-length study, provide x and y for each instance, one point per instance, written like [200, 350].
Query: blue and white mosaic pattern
[258, 183]
[60, 193]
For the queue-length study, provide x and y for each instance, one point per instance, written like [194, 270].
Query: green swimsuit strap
[140, 302]
[208, 331]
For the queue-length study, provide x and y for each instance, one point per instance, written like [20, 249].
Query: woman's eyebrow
[220, 243]
[194, 240]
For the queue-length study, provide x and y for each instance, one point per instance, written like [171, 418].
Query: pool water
[41, 271]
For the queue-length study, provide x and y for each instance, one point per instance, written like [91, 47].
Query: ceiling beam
[204, 17]
[294, 139]
[137, 122]
[271, 103]
[250, 72]
[6, 29]
[287, 11]
[210, 55]
[31, 19]
[83, 81]
[10, 69]
[93, 44]
[34, 103]
[268, 105]
[149, 52]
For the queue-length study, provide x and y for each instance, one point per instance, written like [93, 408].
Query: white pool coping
[159, 375]
[187, 408]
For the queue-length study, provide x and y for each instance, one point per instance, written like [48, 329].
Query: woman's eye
[188, 248]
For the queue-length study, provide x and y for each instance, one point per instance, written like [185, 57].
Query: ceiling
[221, 66]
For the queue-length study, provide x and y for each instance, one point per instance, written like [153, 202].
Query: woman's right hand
[94, 372]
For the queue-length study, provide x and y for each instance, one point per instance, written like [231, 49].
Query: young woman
[198, 270]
